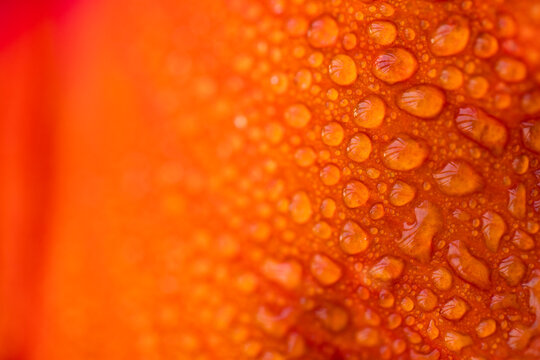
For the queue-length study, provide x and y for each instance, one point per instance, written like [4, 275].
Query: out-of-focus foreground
[269, 179]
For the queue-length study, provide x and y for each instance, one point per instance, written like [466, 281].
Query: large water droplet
[394, 65]
[416, 238]
[353, 239]
[355, 194]
[482, 128]
[468, 267]
[405, 153]
[300, 208]
[323, 32]
[359, 147]
[493, 228]
[424, 101]
[369, 113]
[342, 70]
[530, 132]
[325, 270]
[457, 178]
[450, 37]
[382, 32]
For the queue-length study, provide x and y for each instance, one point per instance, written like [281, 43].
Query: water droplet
[530, 133]
[407, 304]
[512, 269]
[300, 208]
[297, 115]
[355, 194]
[330, 175]
[274, 324]
[457, 178]
[450, 37]
[424, 101]
[328, 208]
[333, 317]
[493, 228]
[455, 341]
[349, 41]
[342, 70]
[303, 79]
[296, 345]
[401, 193]
[353, 239]
[486, 46]
[432, 330]
[454, 309]
[382, 32]
[477, 87]
[405, 153]
[359, 147]
[520, 164]
[368, 337]
[322, 230]
[506, 26]
[468, 267]
[482, 128]
[427, 300]
[417, 237]
[377, 211]
[530, 102]
[305, 156]
[517, 201]
[451, 78]
[332, 134]
[442, 279]
[386, 299]
[297, 26]
[510, 69]
[325, 270]
[323, 32]
[369, 113]
[522, 240]
[394, 65]
[288, 273]
[387, 268]
[486, 328]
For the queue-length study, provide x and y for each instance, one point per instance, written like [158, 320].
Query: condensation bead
[530, 133]
[297, 115]
[332, 134]
[517, 201]
[510, 69]
[382, 32]
[457, 178]
[512, 269]
[369, 112]
[355, 194]
[450, 37]
[353, 239]
[424, 101]
[401, 193]
[342, 70]
[520, 164]
[530, 102]
[454, 309]
[451, 78]
[288, 273]
[455, 341]
[468, 267]
[359, 147]
[305, 156]
[427, 300]
[387, 268]
[328, 208]
[394, 65]
[330, 175]
[417, 237]
[493, 228]
[300, 208]
[334, 318]
[522, 240]
[486, 328]
[482, 128]
[405, 153]
[442, 278]
[485, 46]
[323, 32]
[477, 87]
[349, 41]
[325, 270]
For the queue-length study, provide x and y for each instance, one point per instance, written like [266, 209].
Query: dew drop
[482, 128]
[454, 309]
[370, 112]
[288, 273]
[332, 134]
[387, 268]
[517, 201]
[353, 239]
[394, 65]
[382, 32]
[522, 240]
[297, 115]
[510, 69]
[451, 78]
[423, 101]
[427, 300]
[330, 175]
[485, 46]
[486, 328]
[450, 37]
[455, 341]
[468, 267]
[323, 32]
[342, 70]
[442, 279]
[493, 228]
[401, 193]
[325, 270]
[457, 178]
[333, 317]
[530, 133]
[405, 153]
[300, 208]
[359, 147]
[512, 269]
[355, 194]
